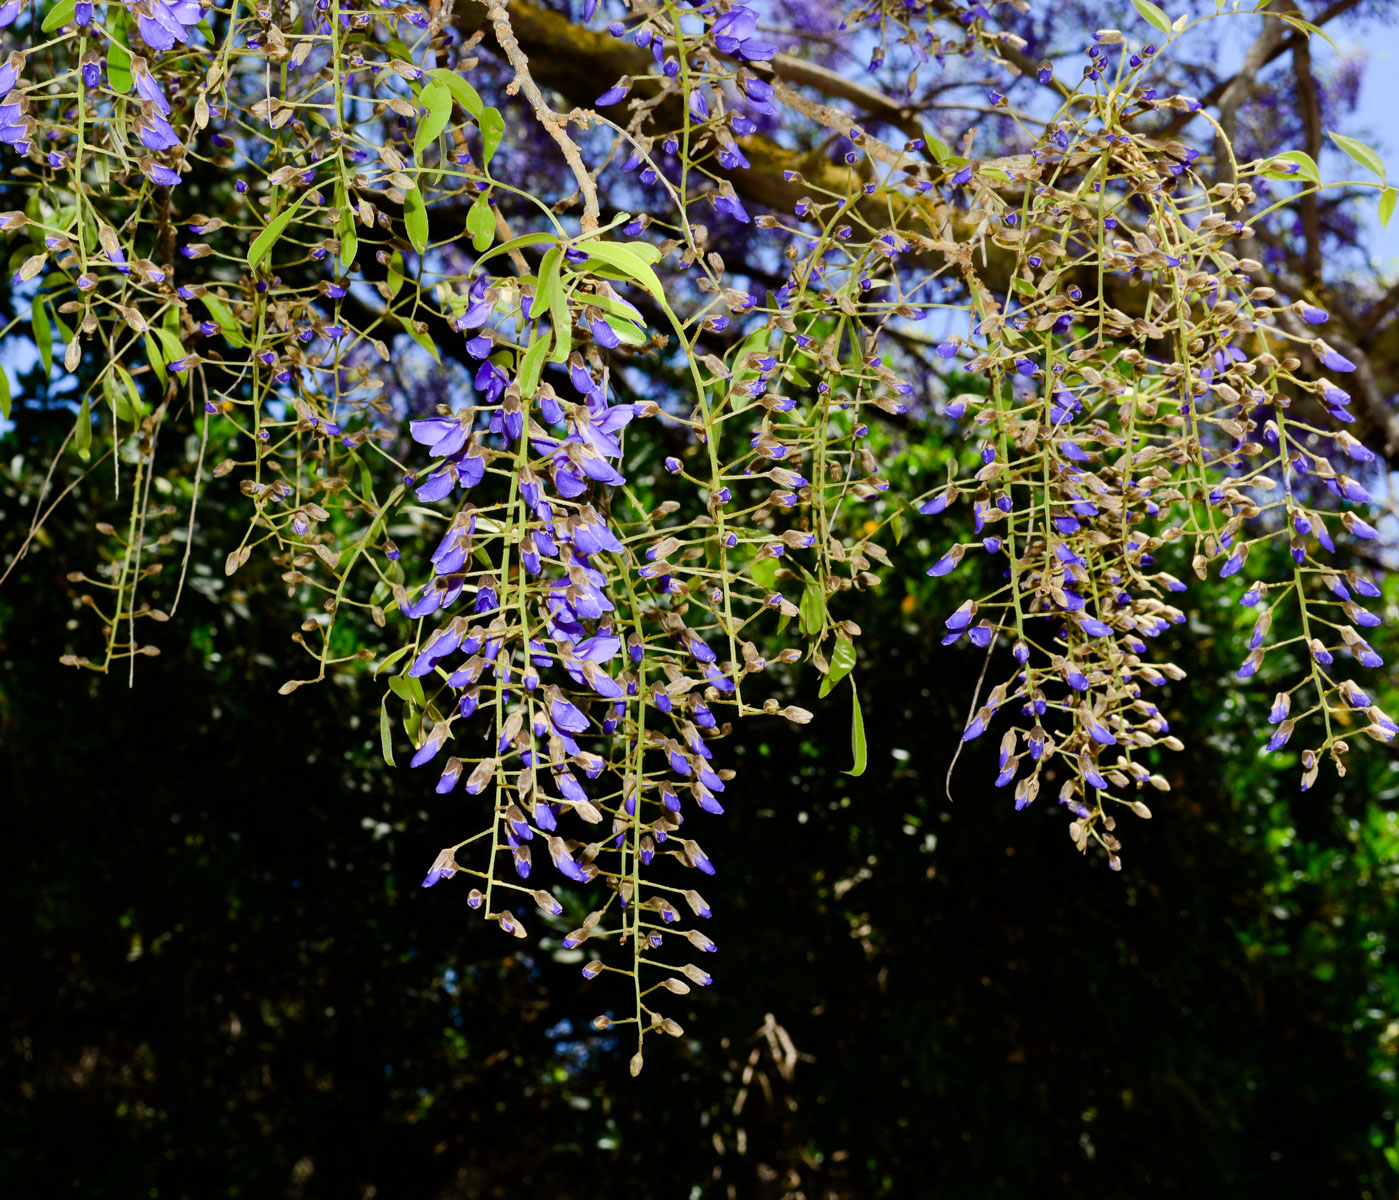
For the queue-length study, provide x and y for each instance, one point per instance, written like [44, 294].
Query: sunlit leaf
[480, 223]
[1360, 152]
[415, 219]
[437, 99]
[1153, 15]
[263, 243]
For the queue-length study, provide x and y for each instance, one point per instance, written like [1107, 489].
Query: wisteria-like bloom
[164, 22]
[733, 34]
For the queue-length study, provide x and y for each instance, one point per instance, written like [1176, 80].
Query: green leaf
[385, 732]
[519, 243]
[842, 662]
[551, 293]
[406, 687]
[896, 523]
[480, 224]
[411, 329]
[129, 407]
[395, 279]
[224, 319]
[60, 14]
[1153, 15]
[462, 92]
[1359, 151]
[1303, 26]
[170, 345]
[415, 219]
[349, 238]
[492, 130]
[43, 333]
[391, 659]
[118, 57]
[263, 243]
[763, 572]
[5, 401]
[1387, 198]
[1306, 167]
[82, 431]
[857, 732]
[530, 366]
[624, 312]
[813, 607]
[628, 260]
[437, 99]
[157, 359]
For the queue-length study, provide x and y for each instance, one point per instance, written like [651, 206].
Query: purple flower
[1331, 359]
[168, 22]
[726, 202]
[161, 176]
[947, 563]
[733, 34]
[613, 95]
[1311, 314]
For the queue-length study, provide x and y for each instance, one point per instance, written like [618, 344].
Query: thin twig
[554, 124]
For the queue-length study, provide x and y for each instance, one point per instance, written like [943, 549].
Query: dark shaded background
[222, 979]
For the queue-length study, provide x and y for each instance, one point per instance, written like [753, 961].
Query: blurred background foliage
[223, 980]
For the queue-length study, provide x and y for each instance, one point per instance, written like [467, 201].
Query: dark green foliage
[217, 985]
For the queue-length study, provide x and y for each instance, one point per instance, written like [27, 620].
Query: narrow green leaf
[519, 243]
[43, 333]
[842, 662]
[411, 329]
[131, 409]
[628, 260]
[1305, 167]
[1387, 198]
[437, 99]
[415, 219]
[480, 224]
[813, 608]
[1152, 15]
[857, 732]
[118, 58]
[395, 279]
[60, 14]
[896, 523]
[157, 360]
[492, 130]
[530, 366]
[385, 732]
[170, 345]
[764, 572]
[349, 239]
[551, 293]
[224, 319]
[462, 92]
[550, 279]
[82, 431]
[6, 403]
[1303, 26]
[406, 688]
[263, 243]
[1359, 151]
[391, 659]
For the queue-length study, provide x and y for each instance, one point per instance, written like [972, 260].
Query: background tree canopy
[690, 428]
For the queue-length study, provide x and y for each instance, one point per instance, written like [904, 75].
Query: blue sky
[1377, 120]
